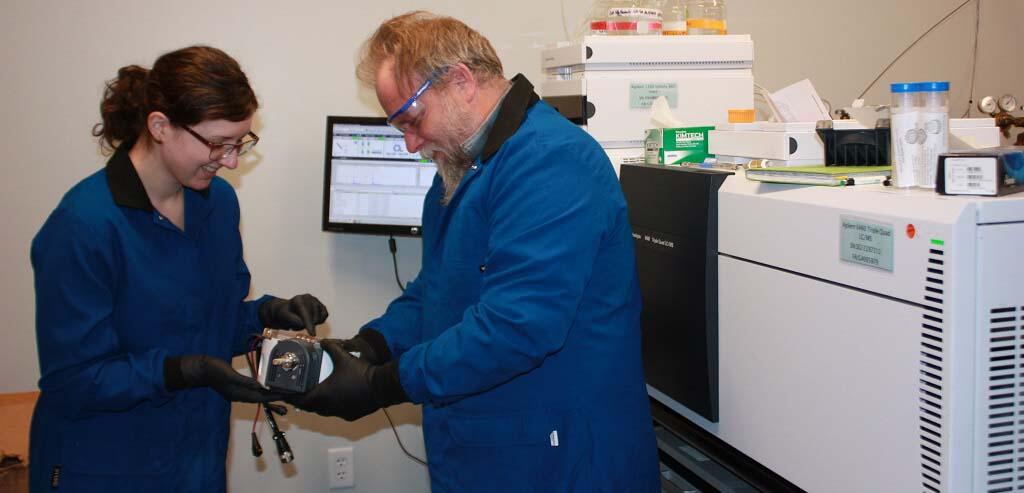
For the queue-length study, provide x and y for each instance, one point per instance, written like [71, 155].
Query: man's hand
[201, 370]
[370, 346]
[354, 389]
[301, 312]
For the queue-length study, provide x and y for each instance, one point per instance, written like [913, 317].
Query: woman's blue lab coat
[118, 289]
[521, 334]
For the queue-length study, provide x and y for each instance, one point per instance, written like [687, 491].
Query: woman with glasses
[141, 285]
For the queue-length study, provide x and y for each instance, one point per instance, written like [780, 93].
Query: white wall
[55, 55]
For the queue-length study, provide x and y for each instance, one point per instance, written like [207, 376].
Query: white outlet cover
[340, 468]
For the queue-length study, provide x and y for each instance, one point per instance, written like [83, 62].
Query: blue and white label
[866, 243]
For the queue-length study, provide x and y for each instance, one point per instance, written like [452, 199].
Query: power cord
[919, 38]
[974, 62]
[394, 259]
[399, 439]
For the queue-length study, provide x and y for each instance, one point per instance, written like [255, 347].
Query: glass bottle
[705, 17]
[598, 17]
[622, 17]
[648, 16]
[673, 17]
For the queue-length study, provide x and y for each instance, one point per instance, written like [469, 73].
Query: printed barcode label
[970, 175]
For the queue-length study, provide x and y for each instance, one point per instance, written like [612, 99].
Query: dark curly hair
[189, 85]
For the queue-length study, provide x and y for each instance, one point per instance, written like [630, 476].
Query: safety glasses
[406, 115]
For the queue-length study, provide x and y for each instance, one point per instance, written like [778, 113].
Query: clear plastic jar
[705, 17]
[673, 15]
[933, 114]
[907, 136]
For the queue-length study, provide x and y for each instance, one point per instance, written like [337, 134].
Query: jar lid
[905, 87]
[934, 86]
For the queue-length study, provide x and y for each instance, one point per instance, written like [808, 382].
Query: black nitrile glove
[301, 312]
[200, 370]
[354, 389]
[370, 345]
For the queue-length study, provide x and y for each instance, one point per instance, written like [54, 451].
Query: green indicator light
[938, 242]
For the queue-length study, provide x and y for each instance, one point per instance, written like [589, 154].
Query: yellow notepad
[833, 176]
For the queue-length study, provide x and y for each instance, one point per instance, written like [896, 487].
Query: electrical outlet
[341, 468]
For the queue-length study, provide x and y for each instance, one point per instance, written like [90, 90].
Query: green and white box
[677, 145]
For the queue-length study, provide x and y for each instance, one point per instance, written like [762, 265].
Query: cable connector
[257, 450]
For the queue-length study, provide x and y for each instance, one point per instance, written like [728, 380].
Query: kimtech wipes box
[677, 145]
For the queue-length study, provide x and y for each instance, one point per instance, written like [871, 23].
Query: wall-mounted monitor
[372, 184]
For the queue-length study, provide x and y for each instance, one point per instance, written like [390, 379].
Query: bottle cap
[741, 116]
[905, 87]
[934, 86]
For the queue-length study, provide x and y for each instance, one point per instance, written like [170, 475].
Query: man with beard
[520, 336]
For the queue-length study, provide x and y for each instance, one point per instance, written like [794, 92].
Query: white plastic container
[933, 114]
[907, 135]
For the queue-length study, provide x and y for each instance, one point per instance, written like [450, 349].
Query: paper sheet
[799, 102]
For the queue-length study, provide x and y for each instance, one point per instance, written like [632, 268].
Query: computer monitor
[372, 184]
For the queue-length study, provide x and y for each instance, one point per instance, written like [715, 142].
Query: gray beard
[451, 159]
[451, 175]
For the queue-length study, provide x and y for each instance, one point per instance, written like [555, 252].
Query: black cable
[394, 259]
[974, 61]
[919, 38]
[400, 444]
[284, 450]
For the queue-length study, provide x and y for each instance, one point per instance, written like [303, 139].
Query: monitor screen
[372, 184]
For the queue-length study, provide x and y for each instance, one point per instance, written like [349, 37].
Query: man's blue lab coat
[118, 289]
[521, 334]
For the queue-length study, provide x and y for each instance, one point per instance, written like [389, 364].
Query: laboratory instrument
[865, 338]
[607, 84]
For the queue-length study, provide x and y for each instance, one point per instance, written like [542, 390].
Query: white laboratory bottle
[705, 17]
[622, 17]
[906, 133]
[934, 121]
[673, 17]
[649, 17]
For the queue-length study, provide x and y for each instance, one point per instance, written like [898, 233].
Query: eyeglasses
[413, 108]
[220, 151]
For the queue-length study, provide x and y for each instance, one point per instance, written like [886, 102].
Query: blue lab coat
[521, 334]
[118, 289]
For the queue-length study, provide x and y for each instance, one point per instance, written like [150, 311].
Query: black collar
[125, 184]
[510, 117]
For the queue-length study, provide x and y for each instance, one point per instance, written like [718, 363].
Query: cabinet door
[819, 382]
